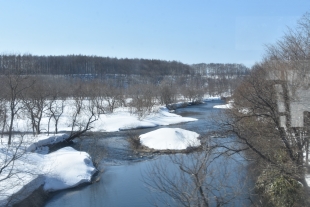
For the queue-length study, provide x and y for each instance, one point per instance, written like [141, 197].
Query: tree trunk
[11, 127]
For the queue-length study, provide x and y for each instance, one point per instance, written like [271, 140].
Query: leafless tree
[55, 109]
[3, 116]
[13, 172]
[106, 95]
[167, 92]
[113, 96]
[84, 114]
[143, 100]
[194, 90]
[14, 85]
[263, 119]
[35, 102]
[202, 178]
[256, 121]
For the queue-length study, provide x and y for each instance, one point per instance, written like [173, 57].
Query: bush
[280, 190]
[134, 140]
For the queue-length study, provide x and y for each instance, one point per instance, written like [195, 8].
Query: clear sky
[190, 31]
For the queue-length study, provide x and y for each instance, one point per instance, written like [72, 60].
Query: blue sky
[190, 31]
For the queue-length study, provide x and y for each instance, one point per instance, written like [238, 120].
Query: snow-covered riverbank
[64, 168]
[120, 119]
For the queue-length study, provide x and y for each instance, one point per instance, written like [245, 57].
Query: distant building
[296, 87]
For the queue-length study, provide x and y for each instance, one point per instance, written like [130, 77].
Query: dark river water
[122, 182]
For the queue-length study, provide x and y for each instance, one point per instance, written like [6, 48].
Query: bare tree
[55, 109]
[35, 102]
[3, 116]
[194, 90]
[256, 121]
[13, 171]
[15, 85]
[113, 96]
[143, 100]
[267, 117]
[167, 92]
[195, 179]
[84, 114]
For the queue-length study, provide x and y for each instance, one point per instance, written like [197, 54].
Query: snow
[44, 139]
[170, 138]
[67, 168]
[225, 106]
[38, 143]
[59, 170]
[212, 98]
[307, 176]
[121, 119]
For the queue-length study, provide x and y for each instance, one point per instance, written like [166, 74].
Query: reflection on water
[121, 184]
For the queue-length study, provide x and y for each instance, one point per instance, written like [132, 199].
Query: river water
[122, 183]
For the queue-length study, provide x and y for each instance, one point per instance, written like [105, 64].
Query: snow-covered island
[170, 139]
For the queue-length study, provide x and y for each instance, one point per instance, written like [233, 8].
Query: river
[122, 184]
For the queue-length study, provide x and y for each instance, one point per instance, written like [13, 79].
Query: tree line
[220, 77]
[219, 70]
[95, 65]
